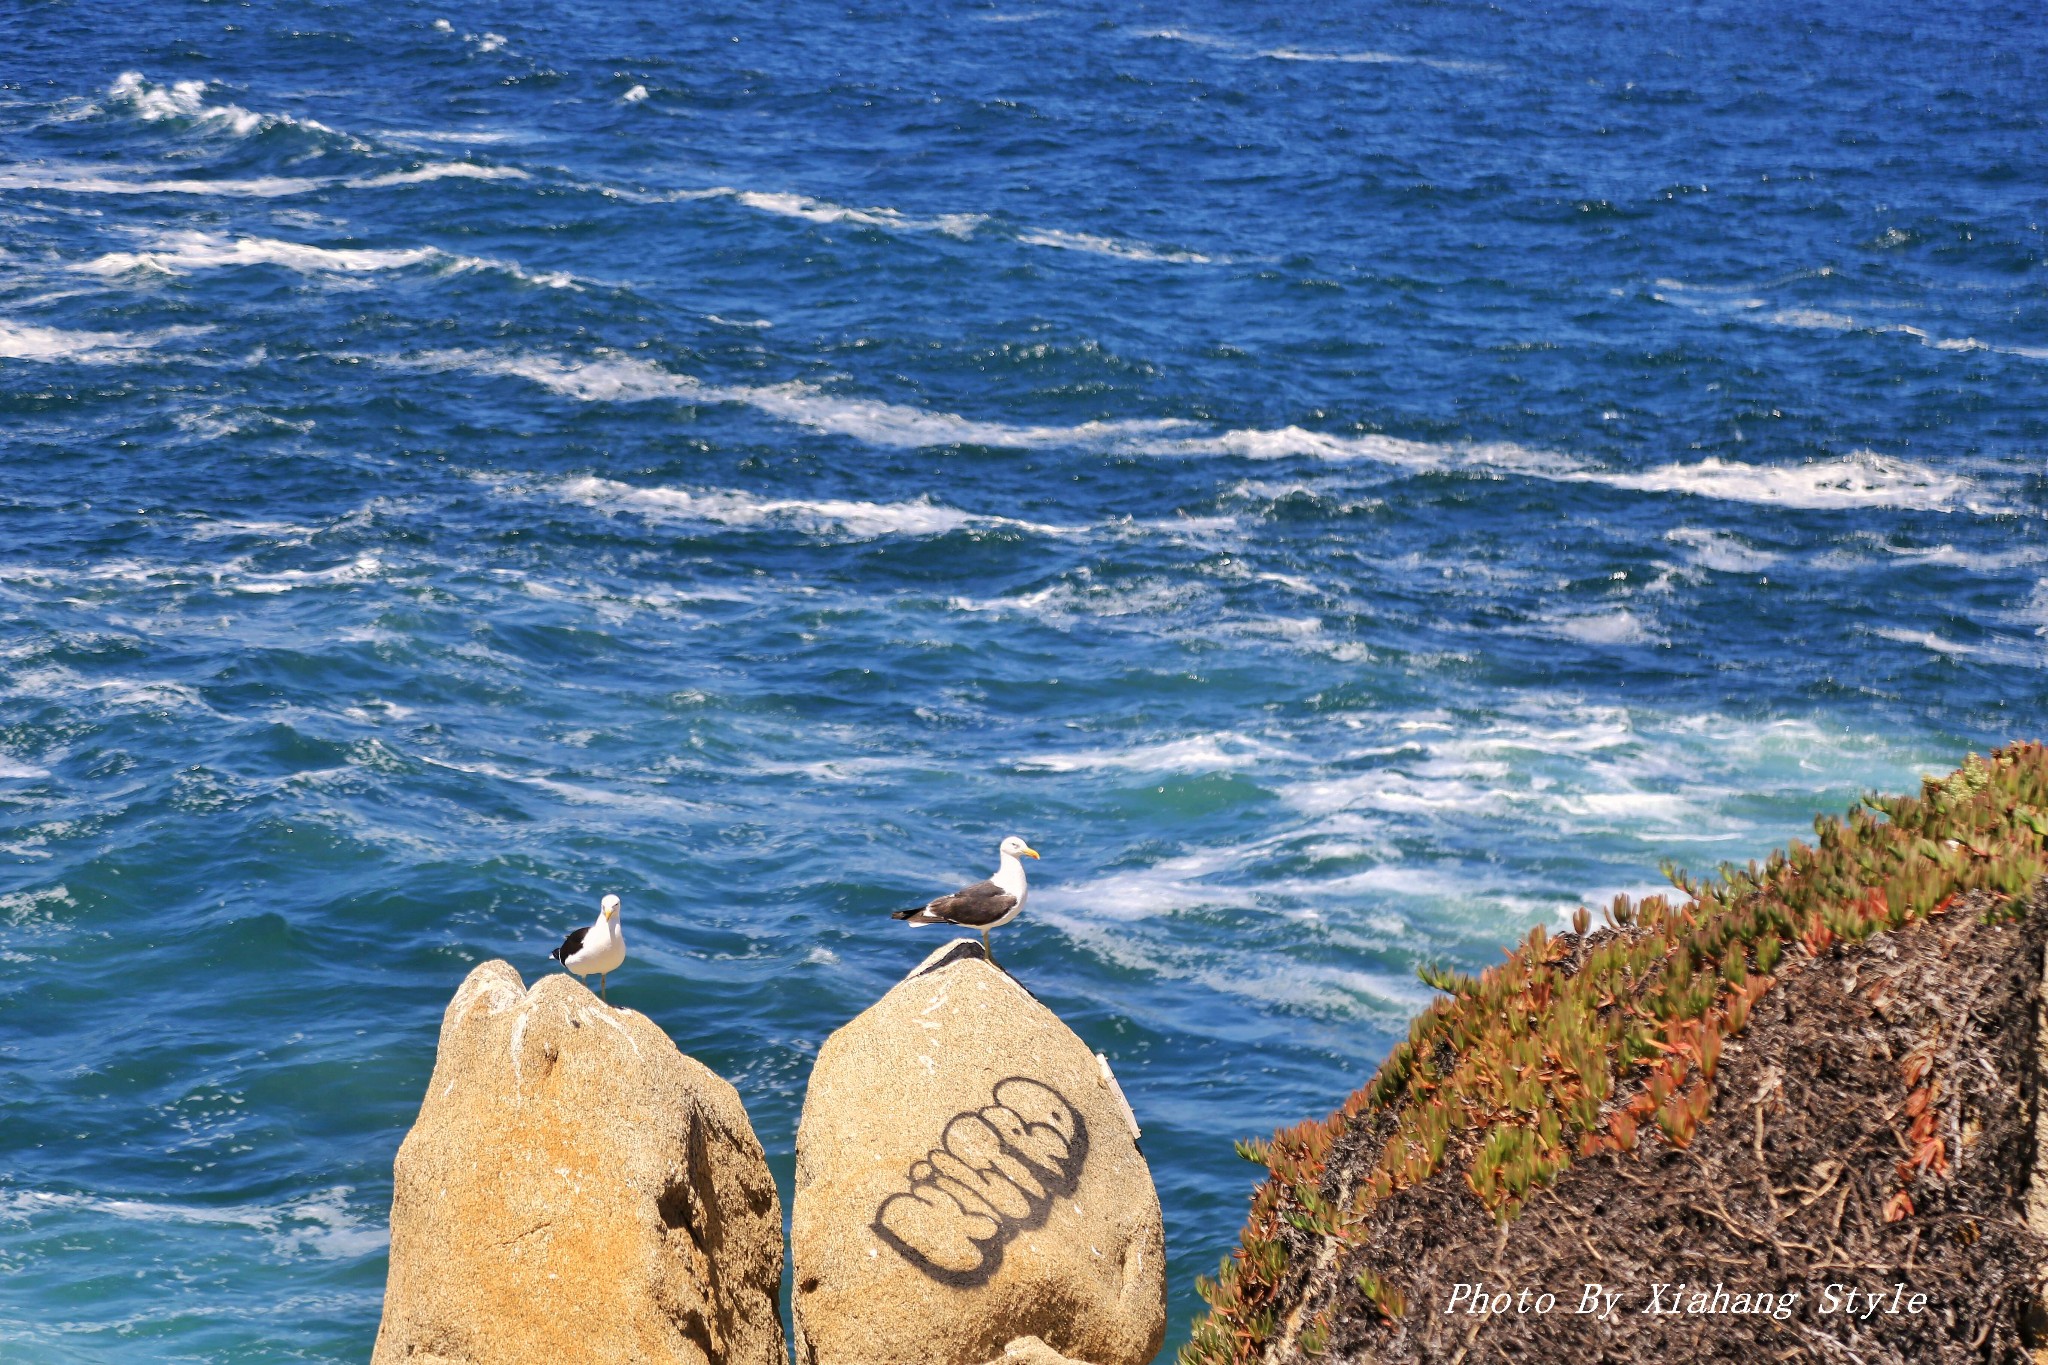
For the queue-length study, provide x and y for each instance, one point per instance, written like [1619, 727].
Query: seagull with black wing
[600, 947]
[984, 905]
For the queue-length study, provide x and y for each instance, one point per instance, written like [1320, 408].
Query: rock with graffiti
[968, 1176]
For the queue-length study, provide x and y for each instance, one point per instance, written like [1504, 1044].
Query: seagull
[983, 905]
[601, 948]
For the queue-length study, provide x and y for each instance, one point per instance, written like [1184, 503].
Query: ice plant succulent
[1590, 1042]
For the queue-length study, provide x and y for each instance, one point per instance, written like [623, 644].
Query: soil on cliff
[1813, 1170]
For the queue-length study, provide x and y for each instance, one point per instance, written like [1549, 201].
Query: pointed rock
[576, 1189]
[967, 1175]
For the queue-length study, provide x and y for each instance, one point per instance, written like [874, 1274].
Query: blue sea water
[1348, 482]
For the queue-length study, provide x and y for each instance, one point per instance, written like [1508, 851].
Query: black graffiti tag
[995, 1173]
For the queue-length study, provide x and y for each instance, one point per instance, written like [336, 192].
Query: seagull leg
[986, 951]
[602, 994]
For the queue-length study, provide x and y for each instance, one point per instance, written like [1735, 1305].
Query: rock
[967, 1176]
[1031, 1351]
[577, 1190]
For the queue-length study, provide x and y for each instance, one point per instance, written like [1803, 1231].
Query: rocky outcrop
[577, 1190]
[1792, 1115]
[968, 1176]
[1031, 1351]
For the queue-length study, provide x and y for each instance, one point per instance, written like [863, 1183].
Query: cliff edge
[1789, 1117]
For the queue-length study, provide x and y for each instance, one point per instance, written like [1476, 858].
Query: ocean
[1347, 483]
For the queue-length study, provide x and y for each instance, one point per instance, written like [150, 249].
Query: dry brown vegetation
[1594, 1083]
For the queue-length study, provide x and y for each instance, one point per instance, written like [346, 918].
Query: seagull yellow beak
[1030, 852]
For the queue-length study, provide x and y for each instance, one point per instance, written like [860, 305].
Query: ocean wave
[1994, 649]
[57, 681]
[74, 181]
[435, 170]
[319, 1224]
[1975, 561]
[363, 567]
[1223, 751]
[1109, 246]
[1618, 627]
[180, 253]
[218, 422]
[1386, 998]
[185, 101]
[1861, 479]
[1062, 603]
[1815, 319]
[616, 378]
[1742, 305]
[26, 341]
[791, 205]
[137, 180]
[460, 137]
[1721, 551]
[732, 507]
[1364, 57]
[962, 226]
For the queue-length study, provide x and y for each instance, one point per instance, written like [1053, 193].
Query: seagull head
[609, 908]
[1013, 847]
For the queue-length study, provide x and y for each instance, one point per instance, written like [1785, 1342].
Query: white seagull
[601, 948]
[983, 905]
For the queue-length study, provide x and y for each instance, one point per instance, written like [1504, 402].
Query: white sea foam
[36, 909]
[437, 170]
[319, 1224]
[460, 137]
[1618, 627]
[1067, 601]
[1976, 561]
[1720, 550]
[1108, 246]
[635, 95]
[181, 253]
[1370, 58]
[26, 341]
[732, 507]
[357, 570]
[1812, 319]
[72, 180]
[1175, 883]
[1221, 752]
[790, 205]
[180, 100]
[1737, 303]
[1995, 649]
[137, 180]
[1863, 478]
[617, 378]
[1247, 52]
